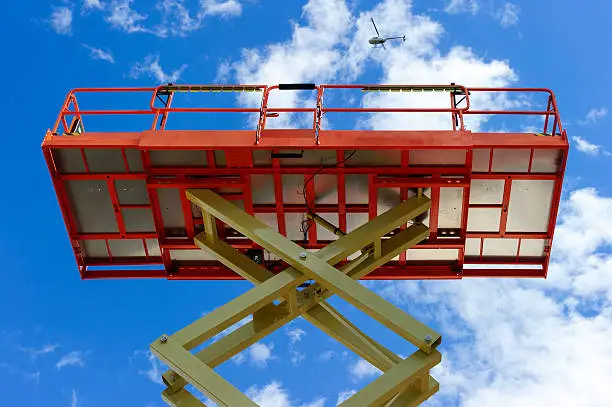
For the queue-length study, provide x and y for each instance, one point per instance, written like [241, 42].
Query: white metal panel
[178, 158]
[91, 206]
[546, 160]
[356, 189]
[480, 160]
[500, 247]
[532, 247]
[191, 255]
[138, 220]
[94, 248]
[483, 219]
[449, 213]
[437, 157]
[171, 207]
[126, 248]
[529, 208]
[326, 189]
[510, 160]
[487, 191]
[432, 254]
[293, 186]
[132, 192]
[105, 160]
[472, 247]
[262, 187]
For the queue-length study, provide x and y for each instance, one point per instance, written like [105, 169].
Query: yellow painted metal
[399, 88]
[235, 342]
[209, 88]
[325, 224]
[198, 374]
[315, 268]
[413, 397]
[334, 324]
[403, 383]
[226, 347]
[181, 398]
[210, 227]
[395, 380]
[234, 259]
[237, 309]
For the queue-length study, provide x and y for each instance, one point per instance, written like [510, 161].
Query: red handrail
[318, 110]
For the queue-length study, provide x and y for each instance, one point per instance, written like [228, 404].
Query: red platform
[495, 196]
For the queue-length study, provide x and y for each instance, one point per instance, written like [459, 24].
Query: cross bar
[403, 383]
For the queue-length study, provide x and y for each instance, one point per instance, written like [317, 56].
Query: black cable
[307, 223]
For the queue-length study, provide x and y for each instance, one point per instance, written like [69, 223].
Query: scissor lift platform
[494, 196]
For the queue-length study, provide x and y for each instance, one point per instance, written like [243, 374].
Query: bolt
[163, 339]
[428, 339]
[303, 255]
[172, 378]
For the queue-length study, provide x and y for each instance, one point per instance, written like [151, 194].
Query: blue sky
[72, 343]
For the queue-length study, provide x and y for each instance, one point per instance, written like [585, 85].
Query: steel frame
[404, 382]
[241, 142]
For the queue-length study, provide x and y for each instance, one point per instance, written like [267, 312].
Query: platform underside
[494, 196]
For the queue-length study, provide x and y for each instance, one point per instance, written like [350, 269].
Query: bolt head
[163, 339]
[303, 255]
[428, 338]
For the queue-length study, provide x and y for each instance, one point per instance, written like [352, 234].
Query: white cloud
[462, 6]
[155, 368]
[176, 19]
[74, 401]
[89, 5]
[123, 17]
[420, 61]
[528, 334]
[584, 146]
[343, 396]
[74, 358]
[260, 354]
[312, 54]
[362, 369]
[34, 353]
[508, 15]
[295, 334]
[594, 115]
[332, 45]
[98, 53]
[151, 67]
[274, 395]
[227, 8]
[61, 20]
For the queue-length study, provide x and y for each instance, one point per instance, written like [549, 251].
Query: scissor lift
[222, 204]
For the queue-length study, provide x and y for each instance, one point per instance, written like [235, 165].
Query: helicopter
[378, 40]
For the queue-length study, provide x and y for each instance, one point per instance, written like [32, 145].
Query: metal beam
[201, 376]
[396, 379]
[402, 382]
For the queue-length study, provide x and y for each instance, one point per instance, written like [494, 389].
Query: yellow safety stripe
[208, 88]
[411, 89]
